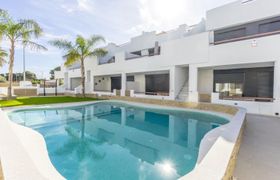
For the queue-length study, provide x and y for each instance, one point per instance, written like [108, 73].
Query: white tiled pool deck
[259, 155]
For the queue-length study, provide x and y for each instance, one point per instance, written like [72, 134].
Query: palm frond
[14, 29]
[95, 39]
[3, 29]
[80, 40]
[3, 54]
[2, 61]
[98, 52]
[32, 27]
[62, 44]
[72, 57]
[4, 16]
[34, 46]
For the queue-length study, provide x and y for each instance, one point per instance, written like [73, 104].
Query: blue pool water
[111, 140]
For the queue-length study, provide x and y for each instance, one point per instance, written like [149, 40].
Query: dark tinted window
[157, 83]
[269, 27]
[247, 31]
[130, 78]
[232, 34]
[116, 83]
[255, 82]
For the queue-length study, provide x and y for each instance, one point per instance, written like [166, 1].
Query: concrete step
[183, 94]
[182, 99]
[186, 90]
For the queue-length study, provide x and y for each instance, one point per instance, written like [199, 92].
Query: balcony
[143, 53]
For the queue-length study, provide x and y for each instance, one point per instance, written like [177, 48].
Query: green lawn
[22, 101]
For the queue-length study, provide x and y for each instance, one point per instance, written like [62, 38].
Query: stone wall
[205, 98]
[25, 92]
[200, 106]
[1, 173]
[233, 159]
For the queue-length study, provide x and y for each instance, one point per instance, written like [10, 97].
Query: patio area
[259, 156]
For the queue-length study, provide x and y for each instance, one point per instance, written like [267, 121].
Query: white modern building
[232, 57]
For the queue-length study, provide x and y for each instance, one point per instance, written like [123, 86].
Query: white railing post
[38, 89]
[131, 93]
[114, 92]
[215, 97]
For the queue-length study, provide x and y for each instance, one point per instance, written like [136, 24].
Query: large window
[252, 82]
[157, 84]
[269, 27]
[236, 33]
[130, 78]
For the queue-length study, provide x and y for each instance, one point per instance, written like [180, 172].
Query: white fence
[59, 90]
[40, 90]
[3, 90]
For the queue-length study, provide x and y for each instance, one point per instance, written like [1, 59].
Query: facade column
[172, 83]
[276, 88]
[92, 83]
[193, 93]
[123, 89]
[66, 80]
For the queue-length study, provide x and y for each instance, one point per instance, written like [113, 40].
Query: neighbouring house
[232, 57]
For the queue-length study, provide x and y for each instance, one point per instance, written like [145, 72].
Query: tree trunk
[83, 77]
[11, 65]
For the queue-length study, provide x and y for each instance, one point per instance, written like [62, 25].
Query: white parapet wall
[59, 90]
[216, 148]
[105, 93]
[264, 108]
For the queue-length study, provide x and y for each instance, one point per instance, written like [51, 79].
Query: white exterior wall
[242, 52]
[205, 81]
[75, 82]
[172, 53]
[138, 85]
[238, 13]
[58, 74]
[194, 50]
[104, 85]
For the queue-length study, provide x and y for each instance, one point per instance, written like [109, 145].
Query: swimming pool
[113, 140]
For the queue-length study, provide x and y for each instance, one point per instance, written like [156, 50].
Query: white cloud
[51, 36]
[163, 15]
[77, 5]
[85, 5]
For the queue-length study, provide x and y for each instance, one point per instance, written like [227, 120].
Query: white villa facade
[232, 57]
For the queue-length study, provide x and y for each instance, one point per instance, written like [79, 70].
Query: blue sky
[116, 20]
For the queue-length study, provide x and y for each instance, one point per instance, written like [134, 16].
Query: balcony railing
[246, 37]
[143, 53]
[107, 60]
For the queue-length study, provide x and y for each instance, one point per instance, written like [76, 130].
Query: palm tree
[21, 31]
[80, 50]
[3, 54]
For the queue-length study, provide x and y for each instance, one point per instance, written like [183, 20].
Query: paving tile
[259, 156]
